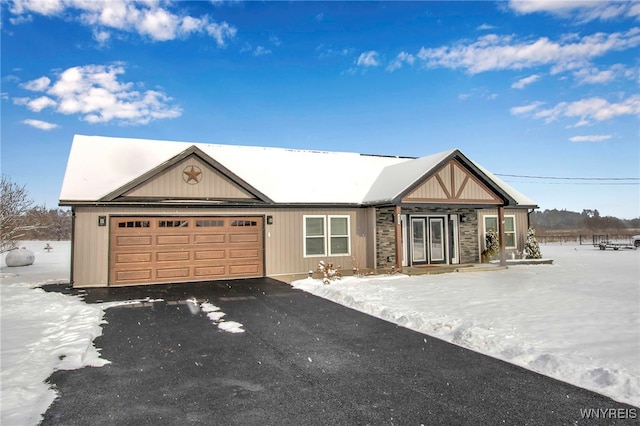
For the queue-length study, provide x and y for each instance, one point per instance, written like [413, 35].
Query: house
[150, 211]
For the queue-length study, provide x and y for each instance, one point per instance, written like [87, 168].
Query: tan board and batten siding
[521, 221]
[170, 183]
[452, 183]
[283, 240]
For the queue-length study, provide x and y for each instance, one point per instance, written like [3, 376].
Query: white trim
[514, 232]
[454, 222]
[405, 255]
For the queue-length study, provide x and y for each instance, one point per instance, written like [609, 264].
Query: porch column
[503, 254]
[396, 220]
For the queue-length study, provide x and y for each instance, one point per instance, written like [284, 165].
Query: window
[244, 223]
[209, 223]
[173, 223]
[326, 235]
[339, 235]
[314, 236]
[491, 222]
[134, 224]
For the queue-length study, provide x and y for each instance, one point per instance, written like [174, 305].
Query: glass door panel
[418, 241]
[436, 240]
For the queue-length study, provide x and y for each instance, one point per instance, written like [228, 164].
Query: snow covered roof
[98, 166]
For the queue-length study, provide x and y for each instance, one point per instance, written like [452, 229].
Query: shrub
[329, 273]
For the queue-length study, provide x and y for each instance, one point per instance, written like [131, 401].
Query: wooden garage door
[148, 250]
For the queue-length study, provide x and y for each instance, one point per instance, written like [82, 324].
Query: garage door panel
[210, 254]
[143, 257]
[172, 240]
[243, 238]
[135, 275]
[244, 269]
[172, 256]
[183, 249]
[211, 271]
[133, 240]
[244, 254]
[210, 239]
[165, 273]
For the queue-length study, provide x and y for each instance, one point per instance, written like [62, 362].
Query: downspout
[503, 254]
[398, 229]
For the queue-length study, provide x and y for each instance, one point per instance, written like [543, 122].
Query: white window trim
[326, 234]
[348, 235]
[515, 234]
[304, 234]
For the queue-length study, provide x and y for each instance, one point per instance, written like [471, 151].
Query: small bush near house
[531, 246]
[329, 273]
[491, 244]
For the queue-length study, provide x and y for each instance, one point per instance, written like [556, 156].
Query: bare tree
[14, 205]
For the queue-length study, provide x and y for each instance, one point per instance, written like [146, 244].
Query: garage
[151, 250]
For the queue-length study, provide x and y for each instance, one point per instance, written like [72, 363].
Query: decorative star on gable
[192, 175]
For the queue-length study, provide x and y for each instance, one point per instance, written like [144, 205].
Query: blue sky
[533, 89]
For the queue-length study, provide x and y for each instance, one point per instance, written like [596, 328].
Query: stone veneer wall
[386, 237]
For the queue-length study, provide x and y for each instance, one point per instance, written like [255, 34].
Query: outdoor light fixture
[463, 218]
[102, 221]
[269, 220]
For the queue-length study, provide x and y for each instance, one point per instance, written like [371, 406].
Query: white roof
[99, 165]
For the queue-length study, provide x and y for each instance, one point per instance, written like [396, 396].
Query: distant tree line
[589, 220]
[21, 220]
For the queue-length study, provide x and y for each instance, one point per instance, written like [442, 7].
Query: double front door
[434, 240]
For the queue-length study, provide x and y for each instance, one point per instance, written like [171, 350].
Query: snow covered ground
[43, 332]
[577, 320]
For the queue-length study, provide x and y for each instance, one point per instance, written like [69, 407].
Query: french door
[433, 240]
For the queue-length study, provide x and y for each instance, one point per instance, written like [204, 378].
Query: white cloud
[39, 124]
[588, 111]
[524, 82]
[261, 51]
[221, 32]
[152, 19]
[590, 138]
[41, 7]
[494, 52]
[581, 10]
[402, 58]
[593, 75]
[101, 36]
[368, 59]
[37, 85]
[526, 109]
[95, 94]
[485, 27]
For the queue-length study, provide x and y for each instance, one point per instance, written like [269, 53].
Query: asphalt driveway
[302, 360]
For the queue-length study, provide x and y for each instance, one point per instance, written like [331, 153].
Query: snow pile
[41, 333]
[577, 320]
[215, 315]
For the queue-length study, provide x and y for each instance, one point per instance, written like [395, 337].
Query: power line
[632, 179]
[577, 183]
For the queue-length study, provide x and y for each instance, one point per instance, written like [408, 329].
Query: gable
[452, 183]
[190, 175]
[191, 178]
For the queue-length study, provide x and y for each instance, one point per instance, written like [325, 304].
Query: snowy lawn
[577, 320]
